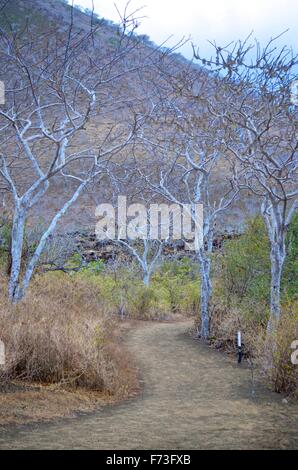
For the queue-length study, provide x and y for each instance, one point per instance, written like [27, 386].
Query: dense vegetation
[241, 302]
[80, 312]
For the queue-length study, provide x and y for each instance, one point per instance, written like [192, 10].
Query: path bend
[192, 398]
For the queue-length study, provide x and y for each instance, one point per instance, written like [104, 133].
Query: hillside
[116, 96]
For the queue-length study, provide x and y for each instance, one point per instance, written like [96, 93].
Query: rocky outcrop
[92, 249]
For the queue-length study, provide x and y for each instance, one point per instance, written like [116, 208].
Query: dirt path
[193, 398]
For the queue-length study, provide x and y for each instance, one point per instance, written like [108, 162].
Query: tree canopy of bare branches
[57, 80]
[255, 103]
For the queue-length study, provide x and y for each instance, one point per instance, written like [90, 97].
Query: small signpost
[239, 347]
[2, 353]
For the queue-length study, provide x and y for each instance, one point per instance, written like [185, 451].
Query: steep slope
[130, 88]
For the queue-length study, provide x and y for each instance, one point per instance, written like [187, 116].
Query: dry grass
[193, 398]
[60, 334]
[225, 323]
[277, 367]
[22, 403]
[270, 355]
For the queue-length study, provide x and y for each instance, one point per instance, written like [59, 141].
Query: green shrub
[148, 302]
[5, 231]
[180, 280]
[173, 289]
[245, 267]
[246, 264]
[290, 275]
[241, 301]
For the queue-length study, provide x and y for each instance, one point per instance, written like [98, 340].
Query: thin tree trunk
[277, 257]
[146, 279]
[206, 291]
[17, 242]
[18, 286]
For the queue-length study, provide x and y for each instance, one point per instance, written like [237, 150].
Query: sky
[203, 20]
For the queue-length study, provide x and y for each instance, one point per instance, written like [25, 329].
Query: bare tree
[61, 252]
[187, 160]
[55, 83]
[136, 229]
[147, 253]
[255, 89]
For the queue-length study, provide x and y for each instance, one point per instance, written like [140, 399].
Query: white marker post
[239, 345]
[2, 353]
[239, 339]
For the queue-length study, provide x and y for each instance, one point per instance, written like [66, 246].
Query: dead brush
[275, 352]
[61, 333]
[226, 321]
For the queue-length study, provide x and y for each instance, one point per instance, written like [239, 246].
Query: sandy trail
[193, 398]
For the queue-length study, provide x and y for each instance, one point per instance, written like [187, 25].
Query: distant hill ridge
[46, 14]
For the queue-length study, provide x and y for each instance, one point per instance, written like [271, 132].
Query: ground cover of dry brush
[64, 352]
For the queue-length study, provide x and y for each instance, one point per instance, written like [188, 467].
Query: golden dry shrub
[226, 321]
[272, 355]
[276, 354]
[61, 333]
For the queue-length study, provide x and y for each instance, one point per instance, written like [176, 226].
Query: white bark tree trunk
[148, 266]
[277, 257]
[276, 223]
[146, 279]
[19, 284]
[206, 292]
[17, 243]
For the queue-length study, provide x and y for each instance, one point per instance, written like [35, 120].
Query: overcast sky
[222, 20]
